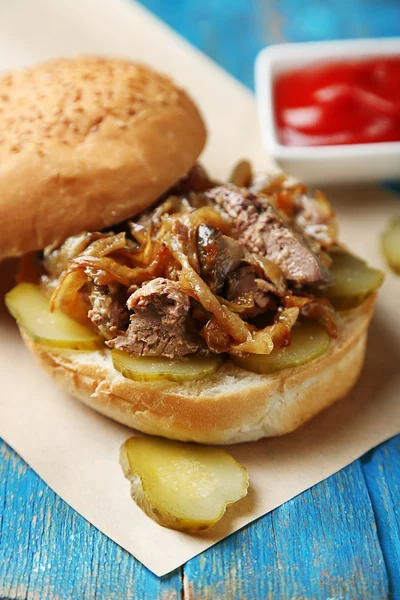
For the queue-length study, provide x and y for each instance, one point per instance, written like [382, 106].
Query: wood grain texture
[229, 31]
[233, 31]
[310, 20]
[341, 539]
[382, 474]
[321, 544]
[49, 552]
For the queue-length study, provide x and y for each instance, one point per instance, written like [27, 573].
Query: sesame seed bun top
[86, 143]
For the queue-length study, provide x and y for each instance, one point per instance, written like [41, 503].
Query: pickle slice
[182, 486]
[30, 307]
[353, 281]
[153, 368]
[391, 244]
[308, 341]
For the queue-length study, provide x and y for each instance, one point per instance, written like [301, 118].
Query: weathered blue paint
[341, 539]
[233, 31]
[321, 544]
[229, 31]
[310, 20]
[48, 551]
[382, 475]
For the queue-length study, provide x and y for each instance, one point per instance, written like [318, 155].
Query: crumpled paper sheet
[75, 450]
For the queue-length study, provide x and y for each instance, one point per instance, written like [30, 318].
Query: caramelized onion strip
[319, 309]
[216, 338]
[193, 285]
[105, 246]
[240, 304]
[264, 340]
[67, 298]
[207, 215]
[241, 175]
[106, 269]
[269, 269]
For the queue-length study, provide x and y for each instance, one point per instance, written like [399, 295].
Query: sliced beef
[159, 322]
[260, 229]
[109, 312]
[218, 255]
[315, 220]
[245, 281]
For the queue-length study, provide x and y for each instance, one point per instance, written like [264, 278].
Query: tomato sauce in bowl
[342, 102]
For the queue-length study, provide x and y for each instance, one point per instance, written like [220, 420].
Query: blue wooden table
[341, 539]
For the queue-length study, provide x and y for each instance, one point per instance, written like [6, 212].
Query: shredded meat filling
[109, 312]
[260, 229]
[187, 274]
[158, 324]
[314, 219]
[218, 256]
[245, 281]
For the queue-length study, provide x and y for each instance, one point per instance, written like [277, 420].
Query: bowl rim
[300, 53]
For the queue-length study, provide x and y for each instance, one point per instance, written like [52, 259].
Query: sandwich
[183, 307]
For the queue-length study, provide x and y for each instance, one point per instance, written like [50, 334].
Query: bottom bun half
[231, 406]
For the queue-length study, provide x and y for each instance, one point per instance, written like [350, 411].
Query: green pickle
[353, 281]
[182, 486]
[155, 368]
[309, 340]
[30, 307]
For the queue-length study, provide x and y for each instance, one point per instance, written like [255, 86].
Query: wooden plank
[231, 33]
[49, 552]
[322, 544]
[313, 20]
[382, 473]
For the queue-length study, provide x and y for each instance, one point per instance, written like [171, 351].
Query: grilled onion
[319, 309]
[192, 284]
[264, 340]
[162, 242]
[68, 299]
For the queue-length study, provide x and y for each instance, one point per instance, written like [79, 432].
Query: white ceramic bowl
[323, 164]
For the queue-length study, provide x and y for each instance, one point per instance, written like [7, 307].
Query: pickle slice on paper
[182, 486]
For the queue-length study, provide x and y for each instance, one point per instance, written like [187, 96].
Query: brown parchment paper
[75, 450]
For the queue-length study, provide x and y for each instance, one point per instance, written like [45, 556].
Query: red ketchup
[354, 102]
